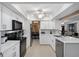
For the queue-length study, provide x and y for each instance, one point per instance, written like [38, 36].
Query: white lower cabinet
[48, 39]
[52, 41]
[9, 54]
[44, 39]
[13, 51]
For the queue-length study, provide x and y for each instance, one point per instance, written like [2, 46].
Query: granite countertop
[8, 44]
[68, 39]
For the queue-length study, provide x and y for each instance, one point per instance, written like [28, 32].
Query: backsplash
[50, 31]
[9, 31]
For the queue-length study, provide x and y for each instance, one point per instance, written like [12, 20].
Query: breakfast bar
[67, 46]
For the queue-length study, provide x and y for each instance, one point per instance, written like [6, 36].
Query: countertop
[68, 39]
[8, 44]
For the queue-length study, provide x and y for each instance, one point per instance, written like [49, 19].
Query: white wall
[27, 32]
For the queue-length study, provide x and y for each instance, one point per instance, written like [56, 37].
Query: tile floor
[38, 50]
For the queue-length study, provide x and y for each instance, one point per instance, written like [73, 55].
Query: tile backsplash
[50, 31]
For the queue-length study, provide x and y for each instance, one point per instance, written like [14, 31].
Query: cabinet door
[52, 41]
[48, 38]
[12, 51]
[17, 50]
[43, 39]
[46, 25]
[6, 19]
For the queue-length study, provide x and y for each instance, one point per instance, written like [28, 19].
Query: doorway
[35, 27]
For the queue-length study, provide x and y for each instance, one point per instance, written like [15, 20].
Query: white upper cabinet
[47, 25]
[7, 15]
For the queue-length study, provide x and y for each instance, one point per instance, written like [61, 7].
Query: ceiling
[29, 10]
[68, 11]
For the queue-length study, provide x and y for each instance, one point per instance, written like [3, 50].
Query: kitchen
[58, 29]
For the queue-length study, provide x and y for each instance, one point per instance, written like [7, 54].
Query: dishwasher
[59, 48]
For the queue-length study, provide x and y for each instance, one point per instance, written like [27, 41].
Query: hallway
[38, 50]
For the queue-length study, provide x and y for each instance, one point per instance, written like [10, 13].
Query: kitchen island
[67, 46]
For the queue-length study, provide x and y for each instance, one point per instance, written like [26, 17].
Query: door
[35, 29]
[35, 26]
